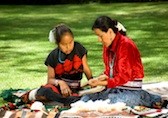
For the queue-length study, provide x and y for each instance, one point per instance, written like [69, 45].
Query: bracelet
[56, 82]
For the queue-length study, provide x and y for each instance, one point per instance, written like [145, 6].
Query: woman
[124, 72]
[66, 64]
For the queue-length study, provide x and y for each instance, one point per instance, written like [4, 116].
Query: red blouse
[127, 69]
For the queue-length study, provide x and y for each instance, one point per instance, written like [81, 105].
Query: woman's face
[105, 38]
[66, 44]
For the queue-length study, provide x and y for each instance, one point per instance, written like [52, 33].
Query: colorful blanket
[127, 112]
[26, 113]
[23, 111]
[101, 109]
[160, 88]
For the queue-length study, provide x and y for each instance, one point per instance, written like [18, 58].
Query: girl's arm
[101, 80]
[86, 68]
[51, 76]
[65, 90]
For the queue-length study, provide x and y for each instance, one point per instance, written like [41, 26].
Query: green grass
[24, 41]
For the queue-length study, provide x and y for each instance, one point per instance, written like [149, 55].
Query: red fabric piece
[77, 62]
[67, 65]
[127, 64]
[54, 88]
[75, 94]
[59, 69]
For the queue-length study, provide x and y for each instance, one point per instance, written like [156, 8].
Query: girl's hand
[65, 90]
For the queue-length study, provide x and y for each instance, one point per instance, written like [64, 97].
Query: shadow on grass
[146, 25]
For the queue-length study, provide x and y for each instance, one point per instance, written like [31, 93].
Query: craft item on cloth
[91, 90]
[94, 109]
[38, 106]
[95, 89]
[148, 112]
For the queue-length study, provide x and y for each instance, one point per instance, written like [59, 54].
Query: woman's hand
[102, 77]
[65, 90]
[93, 82]
[98, 81]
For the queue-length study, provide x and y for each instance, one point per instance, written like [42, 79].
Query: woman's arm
[86, 68]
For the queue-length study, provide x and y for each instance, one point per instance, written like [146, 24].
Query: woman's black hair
[104, 23]
[59, 31]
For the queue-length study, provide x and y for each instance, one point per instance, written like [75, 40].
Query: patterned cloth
[26, 113]
[128, 113]
[159, 88]
[119, 110]
[12, 111]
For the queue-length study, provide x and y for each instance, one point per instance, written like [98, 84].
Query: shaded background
[53, 2]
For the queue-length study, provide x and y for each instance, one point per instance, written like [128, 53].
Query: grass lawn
[24, 41]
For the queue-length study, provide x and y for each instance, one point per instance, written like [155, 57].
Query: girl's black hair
[59, 31]
[104, 23]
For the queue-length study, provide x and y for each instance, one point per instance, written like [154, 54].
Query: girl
[65, 64]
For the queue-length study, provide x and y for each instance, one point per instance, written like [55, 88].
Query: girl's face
[105, 38]
[66, 44]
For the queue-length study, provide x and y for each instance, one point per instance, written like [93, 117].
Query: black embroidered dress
[68, 68]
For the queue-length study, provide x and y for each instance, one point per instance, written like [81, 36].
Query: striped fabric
[26, 113]
[132, 85]
[160, 88]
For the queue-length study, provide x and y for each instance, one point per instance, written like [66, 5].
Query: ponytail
[105, 22]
